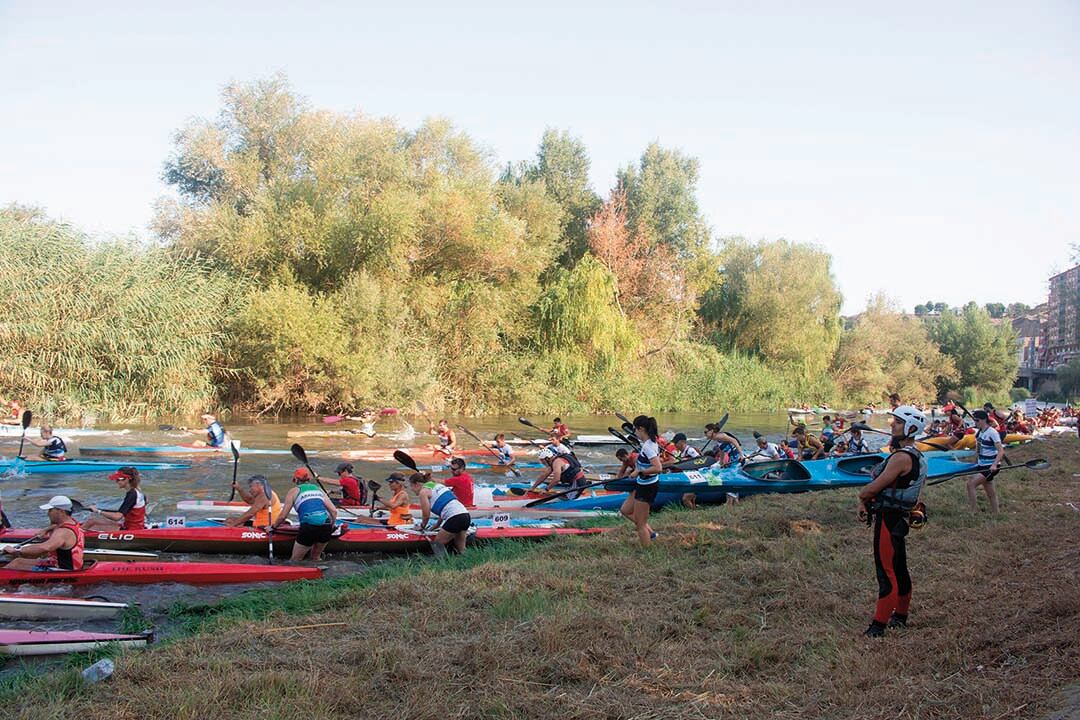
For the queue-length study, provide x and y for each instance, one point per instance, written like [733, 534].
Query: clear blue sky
[932, 148]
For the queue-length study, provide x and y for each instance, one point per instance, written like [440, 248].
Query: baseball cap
[342, 467]
[59, 502]
[301, 474]
[395, 477]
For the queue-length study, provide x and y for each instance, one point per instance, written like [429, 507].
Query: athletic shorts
[646, 493]
[988, 475]
[309, 535]
[457, 523]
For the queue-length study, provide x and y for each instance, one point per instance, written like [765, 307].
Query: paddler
[559, 429]
[447, 438]
[502, 449]
[956, 426]
[765, 449]
[558, 470]
[131, 515]
[628, 458]
[52, 446]
[646, 472]
[558, 446]
[353, 491]
[890, 498]
[856, 444]
[990, 454]
[727, 450]
[264, 504]
[828, 432]
[996, 419]
[839, 448]
[63, 542]
[894, 401]
[460, 482]
[315, 512]
[216, 436]
[807, 442]
[398, 504]
[452, 519]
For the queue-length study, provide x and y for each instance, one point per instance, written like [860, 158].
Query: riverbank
[751, 611]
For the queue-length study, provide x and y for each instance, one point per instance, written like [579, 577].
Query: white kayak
[15, 431]
[14, 606]
[36, 642]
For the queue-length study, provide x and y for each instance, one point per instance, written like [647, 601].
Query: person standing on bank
[889, 499]
[315, 512]
[991, 453]
[647, 469]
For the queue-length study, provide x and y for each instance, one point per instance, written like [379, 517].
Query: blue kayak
[137, 450]
[58, 467]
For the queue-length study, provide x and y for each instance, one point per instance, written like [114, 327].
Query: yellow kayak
[967, 442]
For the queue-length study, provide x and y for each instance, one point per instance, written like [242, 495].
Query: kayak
[495, 503]
[56, 642]
[136, 450]
[15, 606]
[102, 554]
[244, 541]
[140, 573]
[968, 442]
[59, 467]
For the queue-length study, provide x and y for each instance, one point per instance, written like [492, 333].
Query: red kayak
[253, 541]
[188, 573]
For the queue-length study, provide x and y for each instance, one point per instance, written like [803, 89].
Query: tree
[1068, 378]
[561, 167]
[984, 353]
[995, 310]
[940, 307]
[775, 299]
[920, 310]
[887, 351]
[661, 201]
[1017, 309]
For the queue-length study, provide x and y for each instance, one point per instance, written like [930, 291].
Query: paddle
[490, 449]
[564, 493]
[528, 440]
[331, 419]
[270, 537]
[630, 440]
[298, 452]
[625, 420]
[405, 459]
[27, 416]
[1037, 464]
[423, 411]
[374, 488]
[235, 466]
[528, 423]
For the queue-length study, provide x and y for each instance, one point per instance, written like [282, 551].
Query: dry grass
[751, 611]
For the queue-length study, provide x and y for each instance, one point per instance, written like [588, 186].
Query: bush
[1019, 394]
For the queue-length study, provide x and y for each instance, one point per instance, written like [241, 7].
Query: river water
[210, 477]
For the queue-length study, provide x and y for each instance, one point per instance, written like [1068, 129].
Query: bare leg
[459, 541]
[100, 524]
[298, 552]
[641, 521]
[973, 483]
[991, 495]
[317, 551]
[627, 508]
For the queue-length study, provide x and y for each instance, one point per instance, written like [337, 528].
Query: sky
[932, 148]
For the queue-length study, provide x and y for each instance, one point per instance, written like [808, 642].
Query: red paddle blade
[331, 419]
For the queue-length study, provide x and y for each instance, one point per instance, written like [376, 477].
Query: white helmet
[547, 453]
[913, 419]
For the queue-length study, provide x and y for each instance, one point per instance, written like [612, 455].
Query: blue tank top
[215, 434]
[309, 506]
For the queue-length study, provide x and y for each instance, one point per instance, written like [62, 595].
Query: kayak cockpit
[778, 471]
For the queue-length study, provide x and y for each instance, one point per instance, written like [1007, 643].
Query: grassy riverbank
[750, 611]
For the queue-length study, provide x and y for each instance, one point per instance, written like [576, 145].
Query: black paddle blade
[1038, 464]
[373, 486]
[721, 422]
[618, 434]
[236, 451]
[27, 416]
[166, 428]
[628, 428]
[405, 459]
[297, 451]
[526, 422]
[625, 420]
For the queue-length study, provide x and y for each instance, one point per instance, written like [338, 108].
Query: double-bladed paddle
[27, 416]
[298, 452]
[1037, 464]
[406, 459]
[235, 466]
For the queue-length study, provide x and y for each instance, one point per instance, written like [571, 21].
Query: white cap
[60, 502]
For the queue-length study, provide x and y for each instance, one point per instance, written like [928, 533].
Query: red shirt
[628, 463]
[462, 485]
[561, 430]
[350, 491]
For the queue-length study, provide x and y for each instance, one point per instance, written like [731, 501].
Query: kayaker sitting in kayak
[559, 429]
[399, 503]
[215, 434]
[52, 446]
[889, 498]
[315, 512]
[62, 546]
[131, 515]
[646, 472]
[447, 439]
[809, 446]
[683, 449]
[856, 444]
[765, 450]
[264, 504]
[452, 520]
[353, 491]
[502, 449]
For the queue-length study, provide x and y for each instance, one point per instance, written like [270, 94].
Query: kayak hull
[145, 573]
[967, 442]
[172, 450]
[15, 606]
[39, 642]
[63, 467]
